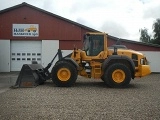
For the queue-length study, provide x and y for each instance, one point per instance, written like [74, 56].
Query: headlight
[144, 61]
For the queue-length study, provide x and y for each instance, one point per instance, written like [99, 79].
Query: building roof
[46, 12]
[134, 42]
[75, 23]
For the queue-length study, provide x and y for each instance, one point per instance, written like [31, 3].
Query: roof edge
[135, 42]
[46, 12]
[13, 7]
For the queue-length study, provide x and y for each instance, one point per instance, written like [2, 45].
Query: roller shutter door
[24, 52]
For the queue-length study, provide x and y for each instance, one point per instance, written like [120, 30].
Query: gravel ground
[88, 100]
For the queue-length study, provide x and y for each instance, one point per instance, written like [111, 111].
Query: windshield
[93, 44]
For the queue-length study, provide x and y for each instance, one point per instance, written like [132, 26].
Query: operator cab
[93, 44]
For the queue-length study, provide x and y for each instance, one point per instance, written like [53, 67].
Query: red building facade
[54, 27]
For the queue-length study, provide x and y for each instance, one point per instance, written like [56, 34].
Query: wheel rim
[118, 76]
[64, 74]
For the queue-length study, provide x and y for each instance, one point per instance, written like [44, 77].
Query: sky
[119, 18]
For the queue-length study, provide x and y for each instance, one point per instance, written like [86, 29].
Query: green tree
[156, 32]
[144, 36]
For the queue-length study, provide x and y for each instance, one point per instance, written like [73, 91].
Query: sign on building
[25, 30]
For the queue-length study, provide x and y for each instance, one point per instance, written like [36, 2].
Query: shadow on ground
[93, 84]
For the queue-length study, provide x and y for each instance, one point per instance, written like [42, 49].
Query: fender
[67, 58]
[72, 61]
[117, 59]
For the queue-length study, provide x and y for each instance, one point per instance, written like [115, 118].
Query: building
[28, 33]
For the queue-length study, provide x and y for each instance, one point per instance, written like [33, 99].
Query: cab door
[96, 45]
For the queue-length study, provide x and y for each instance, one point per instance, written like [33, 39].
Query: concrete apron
[7, 80]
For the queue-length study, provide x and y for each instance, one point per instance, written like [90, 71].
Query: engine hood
[127, 52]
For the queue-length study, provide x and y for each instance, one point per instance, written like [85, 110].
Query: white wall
[66, 52]
[49, 50]
[4, 55]
[154, 60]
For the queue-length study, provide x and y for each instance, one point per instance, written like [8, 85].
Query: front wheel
[117, 75]
[64, 74]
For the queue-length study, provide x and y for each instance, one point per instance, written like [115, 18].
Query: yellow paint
[64, 74]
[32, 28]
[143, 70]
[95, 62]
[118, 76]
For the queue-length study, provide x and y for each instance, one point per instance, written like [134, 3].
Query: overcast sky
[119, 18]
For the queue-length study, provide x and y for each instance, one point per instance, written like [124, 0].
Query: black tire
[102, 77]
[117, 75]
[64, 74]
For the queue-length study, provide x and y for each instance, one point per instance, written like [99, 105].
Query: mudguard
[117, 58]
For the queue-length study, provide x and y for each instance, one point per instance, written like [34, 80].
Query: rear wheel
[64, 74]
[117, 75]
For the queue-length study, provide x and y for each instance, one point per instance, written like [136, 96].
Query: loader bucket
[28, 76]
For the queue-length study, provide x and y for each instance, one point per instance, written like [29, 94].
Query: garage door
[24, 52]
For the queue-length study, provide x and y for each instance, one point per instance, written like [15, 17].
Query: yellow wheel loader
[115, 65]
